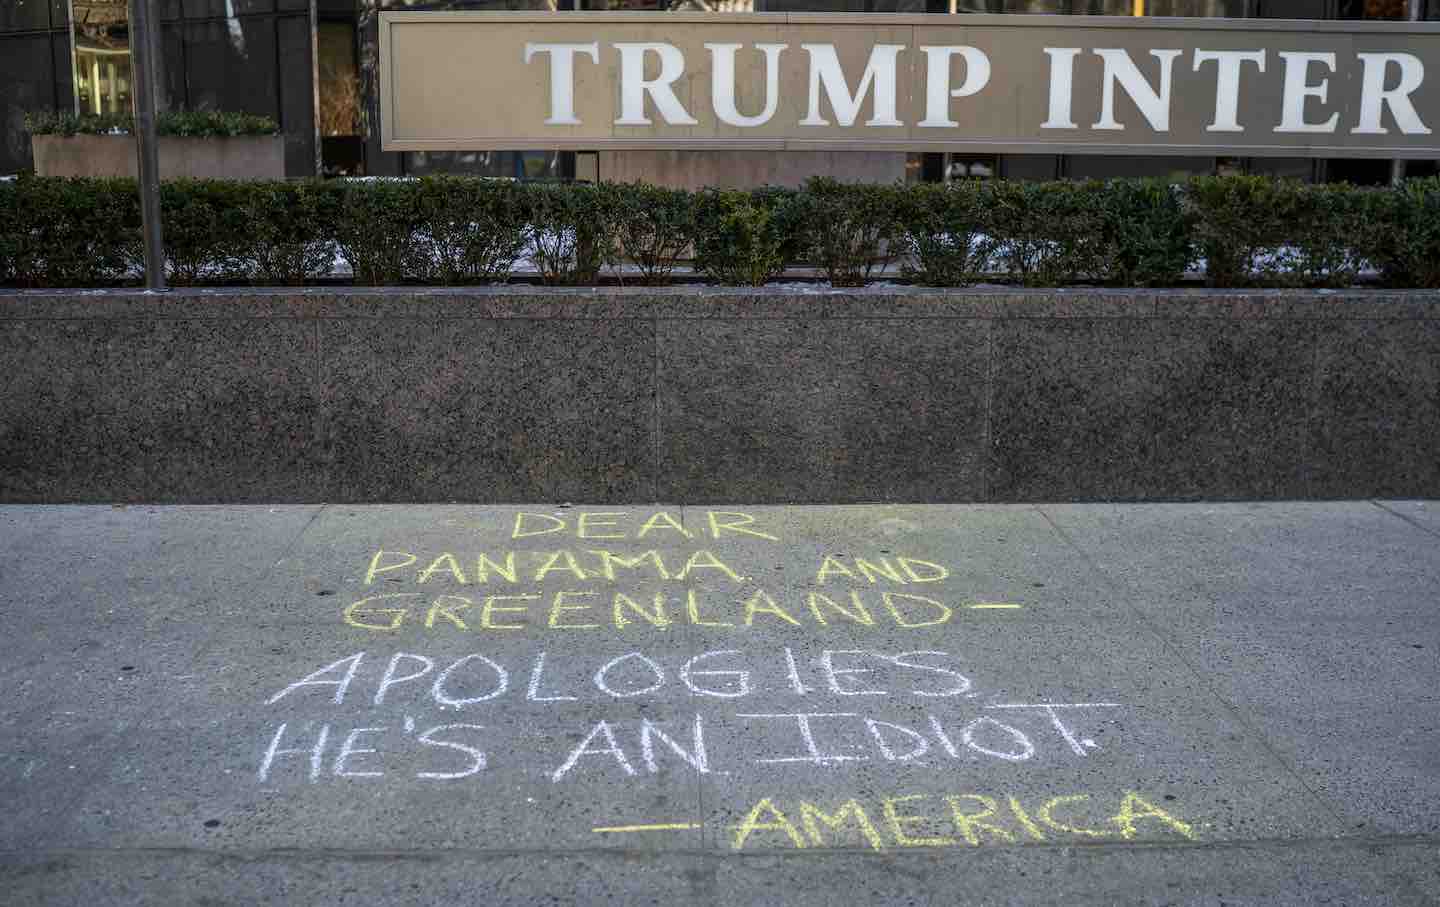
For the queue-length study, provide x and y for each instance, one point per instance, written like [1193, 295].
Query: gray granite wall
[706, 395]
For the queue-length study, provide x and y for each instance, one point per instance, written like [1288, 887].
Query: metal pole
[147, 147]
[315, 86]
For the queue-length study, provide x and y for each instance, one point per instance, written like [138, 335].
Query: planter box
[257, 157]
[705, 395]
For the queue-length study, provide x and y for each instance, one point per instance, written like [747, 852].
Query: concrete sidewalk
[746, 705]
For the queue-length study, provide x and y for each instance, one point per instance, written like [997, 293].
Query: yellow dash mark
[657, 826]
[994, 606]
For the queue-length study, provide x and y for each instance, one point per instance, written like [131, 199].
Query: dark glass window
[25, 15]
[1200, 9]
[230, 65]
[508, 164]
[25, 63]
[471, 4]
[1111, 166]
[220, 9]
[1294, 9]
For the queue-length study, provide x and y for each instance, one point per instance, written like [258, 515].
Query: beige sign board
[818, 81]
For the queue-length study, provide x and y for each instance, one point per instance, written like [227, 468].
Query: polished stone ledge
[789, 393]
[787, 300]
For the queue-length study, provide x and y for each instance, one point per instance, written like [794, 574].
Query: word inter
[1387, 79]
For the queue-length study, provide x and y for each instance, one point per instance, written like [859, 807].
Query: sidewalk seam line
[1235, 711]
[1404, 518]
[119, 731]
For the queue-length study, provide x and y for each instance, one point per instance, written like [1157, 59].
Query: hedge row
[1242, 231]
[207, 124]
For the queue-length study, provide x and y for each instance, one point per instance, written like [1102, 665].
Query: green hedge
[185, 123]
[1238, 231]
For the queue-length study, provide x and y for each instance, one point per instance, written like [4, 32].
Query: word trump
[1305, 78]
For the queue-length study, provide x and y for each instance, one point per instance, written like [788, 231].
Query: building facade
[311, 65]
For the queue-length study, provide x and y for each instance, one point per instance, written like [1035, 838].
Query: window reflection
[518, 5]
[102, 56]
[342, 105]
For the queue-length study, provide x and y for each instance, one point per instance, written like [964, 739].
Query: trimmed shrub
[745, 238]
[474, 230]
[1401, 234]
[1323, 228]
[1145, 232]
[572, 231]
[75, 232]
[188, 123]
[1257, 231]
[292, 224]
[207, 232]
[943, 229]
[1249, 231]
[1122, 232]
[851, 229]
[1046, 234]
[377, 230]
[656, 228]
[11, 234]
[1238, 227]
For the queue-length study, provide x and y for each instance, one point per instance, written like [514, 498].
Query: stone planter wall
[239, 158]
[705, 395]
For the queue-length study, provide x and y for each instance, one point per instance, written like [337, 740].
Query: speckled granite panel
[834, 410]
[158, 410]
[1129, 409]
[1068, 412]
[1376, 427]
[488, 410]
[1232, 423]
[774, 395]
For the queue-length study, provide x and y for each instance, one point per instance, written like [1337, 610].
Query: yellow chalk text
[956, 820]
